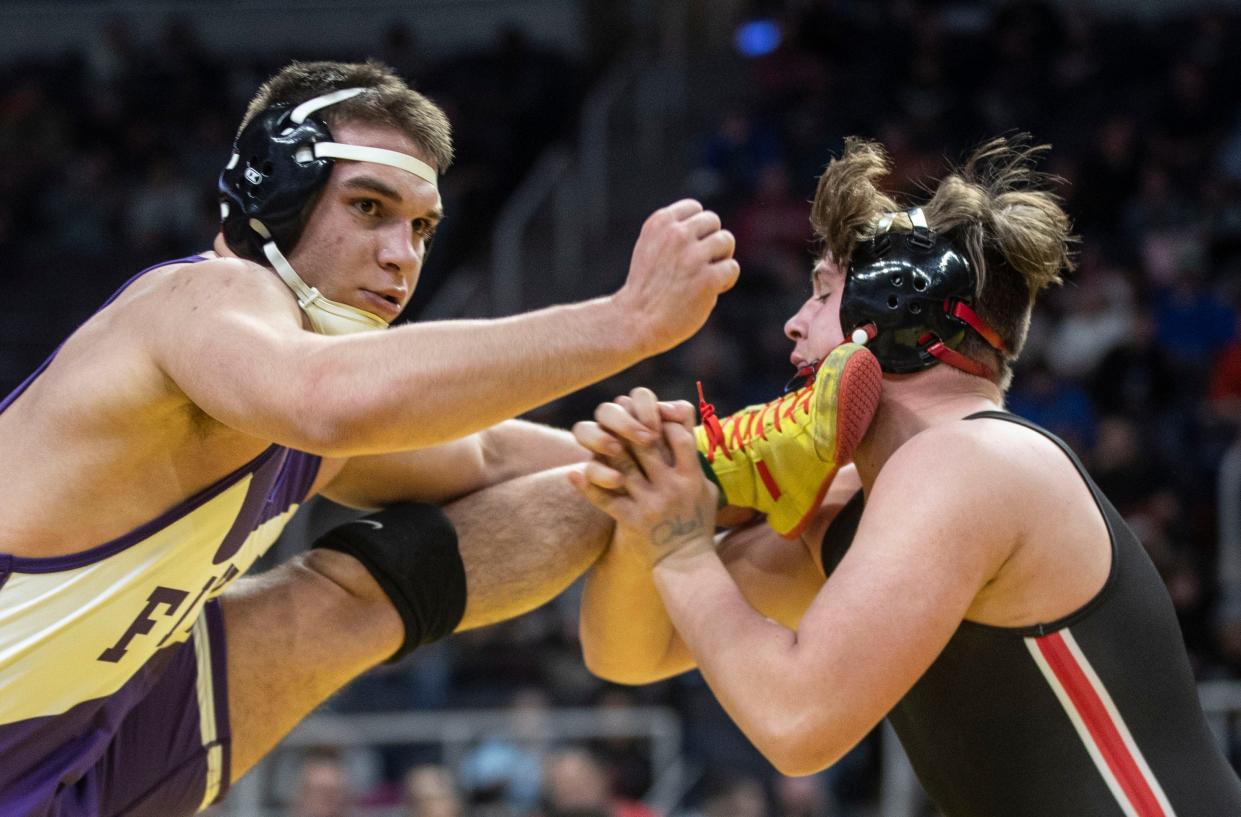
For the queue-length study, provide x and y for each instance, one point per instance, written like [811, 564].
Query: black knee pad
[411, 550]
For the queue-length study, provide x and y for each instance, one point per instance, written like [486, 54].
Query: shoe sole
[842, 420]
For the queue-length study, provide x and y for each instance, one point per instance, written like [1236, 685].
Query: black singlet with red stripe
[1093, 715]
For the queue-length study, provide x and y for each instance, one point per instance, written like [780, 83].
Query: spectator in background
[1060, 406]
[1224, 393]
[503, 775]
[737, 795]
[802, 797]
[773, 220]
[1098, 318]
[430, 791]
[576, 785]
[1126, 467]
[735, 152]
[323, 788]
[164, 211]
[1191, 322]
[1136, 379]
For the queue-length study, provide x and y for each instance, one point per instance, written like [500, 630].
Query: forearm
[422, 384]
[627, 636]
[515, 448]
[750, 662]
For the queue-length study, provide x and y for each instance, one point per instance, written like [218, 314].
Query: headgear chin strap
[281, 161]
[909, 298]
[327, 317]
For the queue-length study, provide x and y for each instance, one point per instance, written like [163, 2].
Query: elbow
[798, 745]
[616, 671]
[621, 667]
[796, 764]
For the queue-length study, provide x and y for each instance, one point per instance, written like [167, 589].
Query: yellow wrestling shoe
[780, 457]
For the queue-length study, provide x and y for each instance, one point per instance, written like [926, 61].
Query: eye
[823, 298]
[424, 228]
[367, 207]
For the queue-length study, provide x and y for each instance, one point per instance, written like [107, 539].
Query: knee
[410, 555]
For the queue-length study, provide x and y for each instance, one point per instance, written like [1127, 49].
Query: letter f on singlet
[170, 597]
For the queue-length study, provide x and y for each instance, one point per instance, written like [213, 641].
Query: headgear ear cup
[270, 183]
[903, 295]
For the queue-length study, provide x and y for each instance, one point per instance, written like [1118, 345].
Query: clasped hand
[646, 476]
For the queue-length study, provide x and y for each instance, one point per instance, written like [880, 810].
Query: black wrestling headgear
[909, 296]
[266, 182]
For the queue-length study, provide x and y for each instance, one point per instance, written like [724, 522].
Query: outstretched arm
[230, 338]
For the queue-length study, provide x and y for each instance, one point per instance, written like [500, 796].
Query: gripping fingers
[677, 411]
[644, 405]
[654, 458]
[685, 452]
[618, 507]
[603, 476]
[591, 436]
[615, 420]
[684, 449]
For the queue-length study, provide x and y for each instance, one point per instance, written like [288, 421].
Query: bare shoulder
[967, 456]
[964, 484]
[232, 284]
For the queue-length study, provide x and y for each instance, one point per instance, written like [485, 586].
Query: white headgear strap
[327, 317]
[356, 153]
[916, 217]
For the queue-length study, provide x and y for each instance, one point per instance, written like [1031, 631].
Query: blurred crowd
[1136, 360]
[109, 155]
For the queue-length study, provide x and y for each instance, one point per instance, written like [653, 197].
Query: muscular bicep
[922, 552]
[233, 345]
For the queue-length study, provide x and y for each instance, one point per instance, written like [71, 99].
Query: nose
[795, 327]
[400, 251]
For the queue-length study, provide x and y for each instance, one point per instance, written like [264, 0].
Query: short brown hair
[995, 207]
[389, 101]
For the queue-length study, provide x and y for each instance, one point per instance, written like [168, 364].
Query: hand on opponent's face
[647, 477]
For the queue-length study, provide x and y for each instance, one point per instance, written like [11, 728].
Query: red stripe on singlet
[1094, 714]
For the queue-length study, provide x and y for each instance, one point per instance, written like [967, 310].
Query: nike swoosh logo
[372, 523]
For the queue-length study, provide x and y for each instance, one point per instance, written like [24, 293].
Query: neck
[912, 403]
[220, 247]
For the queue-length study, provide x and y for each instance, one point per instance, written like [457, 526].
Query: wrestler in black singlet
[1093, 715]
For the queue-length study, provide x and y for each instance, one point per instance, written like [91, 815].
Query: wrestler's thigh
[297, 634]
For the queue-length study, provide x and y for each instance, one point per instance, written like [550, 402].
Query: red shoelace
[747, 424]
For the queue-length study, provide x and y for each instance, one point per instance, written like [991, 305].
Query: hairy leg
[298, 633]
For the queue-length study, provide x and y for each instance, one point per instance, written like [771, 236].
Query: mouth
[384, 304]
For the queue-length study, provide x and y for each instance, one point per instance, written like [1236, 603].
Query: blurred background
[574, 120]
